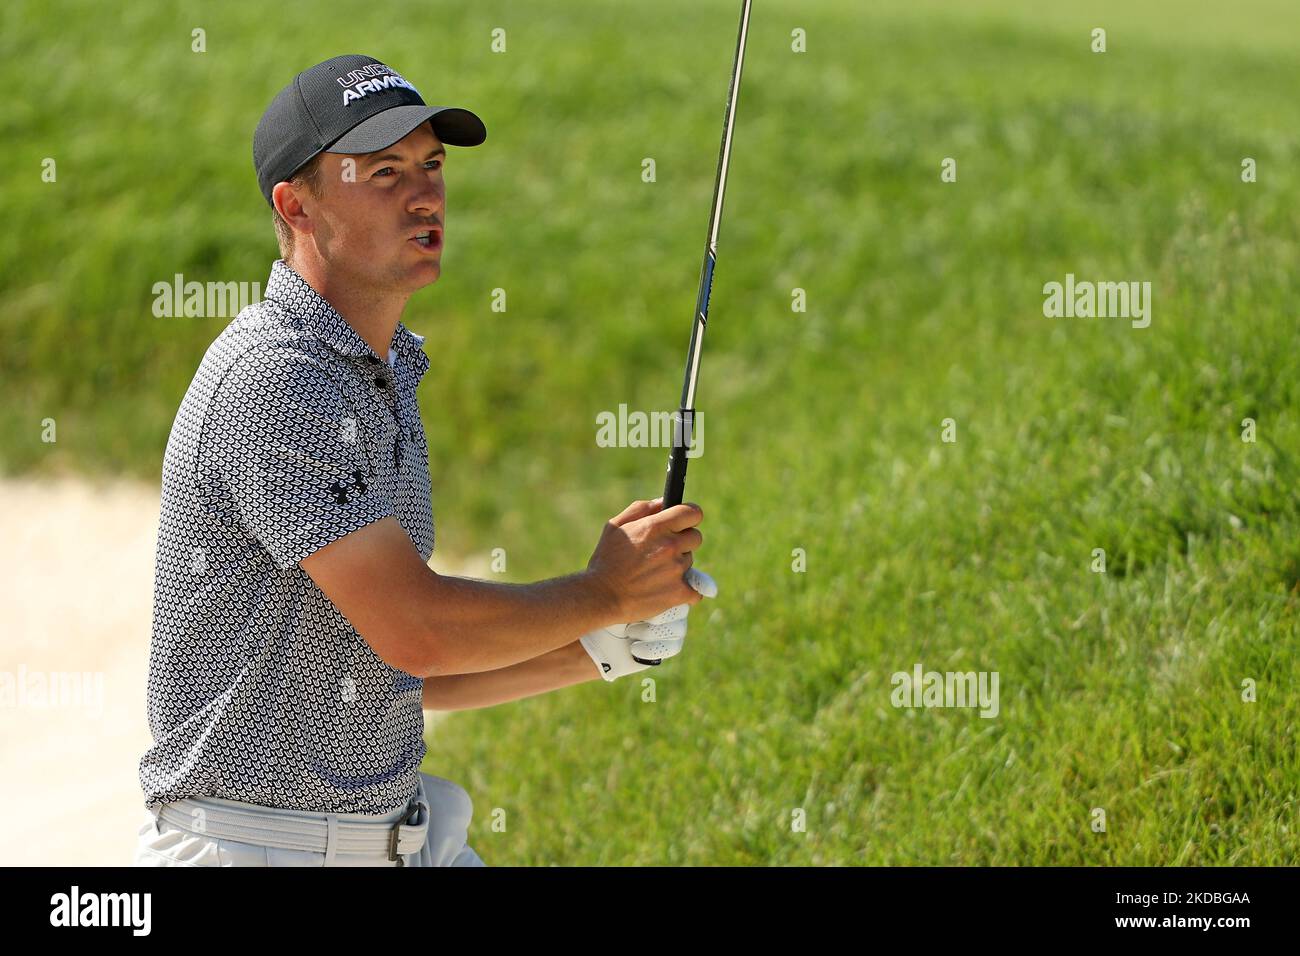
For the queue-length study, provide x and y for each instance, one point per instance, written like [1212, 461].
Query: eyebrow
[394, 156]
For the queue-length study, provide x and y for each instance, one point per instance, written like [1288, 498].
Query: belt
[328, 833]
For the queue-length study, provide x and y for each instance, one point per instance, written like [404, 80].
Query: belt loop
[409, 819]
[331, 837]
[157, 820]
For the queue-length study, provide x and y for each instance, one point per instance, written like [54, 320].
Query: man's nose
[427, 198]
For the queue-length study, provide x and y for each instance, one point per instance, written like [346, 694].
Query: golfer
[298, 631]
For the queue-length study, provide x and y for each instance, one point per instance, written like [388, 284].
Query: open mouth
[429, 239]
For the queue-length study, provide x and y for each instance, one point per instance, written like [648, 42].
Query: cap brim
[451, 124]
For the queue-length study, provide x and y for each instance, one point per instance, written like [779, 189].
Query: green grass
[1120, 691]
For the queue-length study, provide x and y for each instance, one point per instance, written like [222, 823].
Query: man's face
[367, 217]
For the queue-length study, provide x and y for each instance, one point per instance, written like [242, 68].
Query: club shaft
[683, 420]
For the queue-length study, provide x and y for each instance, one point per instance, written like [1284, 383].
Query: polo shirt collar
[288, 289]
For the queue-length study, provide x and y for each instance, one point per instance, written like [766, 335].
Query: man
[298, 629]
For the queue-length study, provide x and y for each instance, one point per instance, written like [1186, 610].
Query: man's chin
[424, 273]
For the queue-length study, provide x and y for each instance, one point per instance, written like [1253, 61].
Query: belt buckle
[393, 835]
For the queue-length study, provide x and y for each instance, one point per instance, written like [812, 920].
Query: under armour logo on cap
[348, 104]
[371, 79]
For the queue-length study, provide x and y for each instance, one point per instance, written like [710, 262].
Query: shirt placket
[384, 380]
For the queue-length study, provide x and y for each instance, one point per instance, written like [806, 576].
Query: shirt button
[381, 381]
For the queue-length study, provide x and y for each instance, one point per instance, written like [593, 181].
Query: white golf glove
[614, 648]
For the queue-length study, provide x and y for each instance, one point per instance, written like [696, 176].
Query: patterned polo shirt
[293, 433]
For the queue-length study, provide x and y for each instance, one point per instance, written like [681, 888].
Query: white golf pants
[205, 831]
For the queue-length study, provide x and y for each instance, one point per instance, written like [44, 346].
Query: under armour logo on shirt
[341, 490]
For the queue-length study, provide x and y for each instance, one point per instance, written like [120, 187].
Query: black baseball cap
[348, 104]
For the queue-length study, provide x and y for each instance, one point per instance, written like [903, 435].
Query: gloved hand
[614, 649]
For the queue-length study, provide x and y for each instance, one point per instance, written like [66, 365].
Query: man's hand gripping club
[644, 558]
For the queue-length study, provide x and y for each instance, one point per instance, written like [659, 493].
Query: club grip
[675, 482]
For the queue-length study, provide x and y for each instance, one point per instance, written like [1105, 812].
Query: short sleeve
[287, 447]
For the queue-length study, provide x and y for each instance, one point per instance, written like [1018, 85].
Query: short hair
[308, 177]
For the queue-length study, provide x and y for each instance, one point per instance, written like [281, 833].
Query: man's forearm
[562, 667]
[486, 626]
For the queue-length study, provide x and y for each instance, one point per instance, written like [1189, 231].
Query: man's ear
[289, 200]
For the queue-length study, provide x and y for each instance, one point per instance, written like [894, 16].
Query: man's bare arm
[563, 667]
[428, 624]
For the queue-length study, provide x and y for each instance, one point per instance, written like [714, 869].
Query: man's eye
[438, 161]
[380, 172]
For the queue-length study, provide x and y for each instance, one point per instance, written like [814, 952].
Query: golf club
[684, 417]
